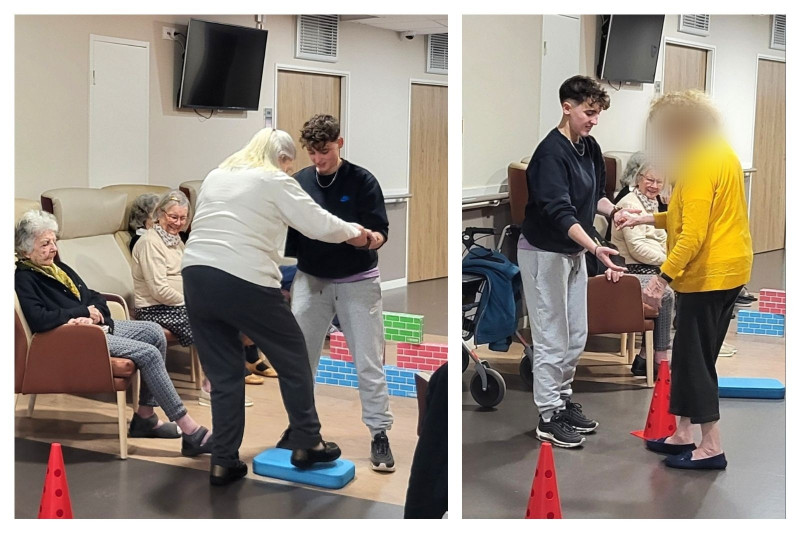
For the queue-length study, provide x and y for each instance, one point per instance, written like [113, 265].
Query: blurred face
[174, 219]
[650, 184]
[326, 159]
[581, 117]
[286, 164]
[44, 249]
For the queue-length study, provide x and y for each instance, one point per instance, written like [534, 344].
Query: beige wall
[501, 63]
[52, 99]
[501, 71]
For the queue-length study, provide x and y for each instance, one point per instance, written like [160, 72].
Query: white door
[119, 100]
[561, 37]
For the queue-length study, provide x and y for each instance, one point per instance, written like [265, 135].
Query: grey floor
[427, 298]
[613, 475]
[103, 486]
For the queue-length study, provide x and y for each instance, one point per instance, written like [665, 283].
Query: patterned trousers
[144, 344]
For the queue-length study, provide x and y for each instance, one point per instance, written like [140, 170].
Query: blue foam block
[763, 388]
[275, 462]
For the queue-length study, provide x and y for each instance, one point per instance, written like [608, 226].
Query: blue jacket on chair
[496, 319]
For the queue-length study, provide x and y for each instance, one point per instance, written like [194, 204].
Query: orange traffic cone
[544, 501]
[660, 422]
[55, 495]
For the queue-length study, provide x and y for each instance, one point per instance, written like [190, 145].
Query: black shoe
[574, 416]
[146, 428]
[193, 444]
[559, 432]
[639, 367]
[224, 475]
[284, 441]
[380, 456]
[305, 458]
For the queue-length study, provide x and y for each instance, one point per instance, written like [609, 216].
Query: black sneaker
[559, 432]
[574, 416]
[380, 457]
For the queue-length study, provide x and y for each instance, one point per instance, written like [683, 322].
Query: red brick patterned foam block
[338, 348]
[426, 356]
[772, 301]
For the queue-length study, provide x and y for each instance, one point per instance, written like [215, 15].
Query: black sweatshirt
[48, 303]
[563, 189]
[354, 196]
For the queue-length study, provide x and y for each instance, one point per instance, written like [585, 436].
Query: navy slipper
[661, 446]
[146, 428]
[684, 460]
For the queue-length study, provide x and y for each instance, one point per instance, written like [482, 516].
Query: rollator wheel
[464, 359]
[495, 389]
[526, 371]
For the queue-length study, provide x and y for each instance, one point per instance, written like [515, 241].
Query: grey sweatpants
[144, 343]
[315, 301]
[555, 293]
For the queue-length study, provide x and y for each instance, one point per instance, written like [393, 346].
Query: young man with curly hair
[343, 281]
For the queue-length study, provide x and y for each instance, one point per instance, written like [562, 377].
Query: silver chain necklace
[332, 180]
[583, 147]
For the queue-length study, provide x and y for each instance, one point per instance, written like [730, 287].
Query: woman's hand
[361, 240]
[652, 293]
[95, 315]
[613, 275]
[604, 253]
[81, 321]
[624, 214]
[628, 220]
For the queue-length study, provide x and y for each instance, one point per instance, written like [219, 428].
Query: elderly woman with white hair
[141, 217]
[52, 295]
[232, 285]
[644, 249]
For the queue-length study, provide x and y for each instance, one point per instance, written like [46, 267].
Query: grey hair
[637, 165]
[32, 224]
[174, 197]
[141, 210]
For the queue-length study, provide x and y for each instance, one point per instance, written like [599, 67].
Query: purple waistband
[361, 276]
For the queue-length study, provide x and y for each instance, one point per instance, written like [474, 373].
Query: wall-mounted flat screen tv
[629, 46]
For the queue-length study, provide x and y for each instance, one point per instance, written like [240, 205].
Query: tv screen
[222, 67]
[629, 47]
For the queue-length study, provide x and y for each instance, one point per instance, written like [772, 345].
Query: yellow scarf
[57, 274]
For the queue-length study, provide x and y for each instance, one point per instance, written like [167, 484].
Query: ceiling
[420, 24]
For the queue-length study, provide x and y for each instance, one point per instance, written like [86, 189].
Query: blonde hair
[690, 111]
[263, 151]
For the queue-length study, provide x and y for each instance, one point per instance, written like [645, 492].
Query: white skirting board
[394, 284]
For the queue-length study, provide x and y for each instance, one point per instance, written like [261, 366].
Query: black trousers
[221, 306]
[427, 486]
[702, 322]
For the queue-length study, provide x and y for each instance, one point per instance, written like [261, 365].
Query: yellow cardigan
[708, 234]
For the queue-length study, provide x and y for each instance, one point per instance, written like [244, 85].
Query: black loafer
[193, 444]
[284, 441]
[639, 367]
[225, 475]
[685, 462]
[661, 446]
[305, 458]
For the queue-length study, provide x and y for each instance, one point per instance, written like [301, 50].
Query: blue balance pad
[275, 462]
[763, 388]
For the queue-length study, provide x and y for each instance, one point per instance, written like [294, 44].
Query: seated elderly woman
[51, 294]
[644, 248]
[638, 166]
[141, 218]
[157, 279]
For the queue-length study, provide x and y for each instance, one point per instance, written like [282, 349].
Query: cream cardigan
[157, 276]
[643, 244]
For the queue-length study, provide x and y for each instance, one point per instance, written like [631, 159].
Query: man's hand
[361, 240]
[654, 291]
[95, 315]
[603, 254]
[613, 275]
[375, 240]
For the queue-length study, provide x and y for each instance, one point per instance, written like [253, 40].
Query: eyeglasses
[176, 218]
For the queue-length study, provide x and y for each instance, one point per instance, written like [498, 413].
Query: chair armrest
[117, 306]
[68, 359]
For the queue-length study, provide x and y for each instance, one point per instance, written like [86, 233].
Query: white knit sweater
[241, 218]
